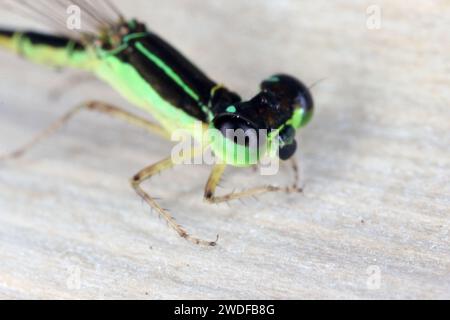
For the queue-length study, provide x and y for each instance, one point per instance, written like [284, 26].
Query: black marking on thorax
[192, 96]
[170, 73]
[164, 84]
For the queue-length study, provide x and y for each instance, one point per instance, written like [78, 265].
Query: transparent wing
[95, 16]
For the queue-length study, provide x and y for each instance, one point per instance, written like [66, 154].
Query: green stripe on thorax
[127, 81]
[160, 63]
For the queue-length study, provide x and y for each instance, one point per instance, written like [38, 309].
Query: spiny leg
[148, 173]
[215, 177]
[92, 106]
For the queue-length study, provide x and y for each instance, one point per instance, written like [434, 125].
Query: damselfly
[155, 77]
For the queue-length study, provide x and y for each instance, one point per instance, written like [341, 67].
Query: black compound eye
[286, 152]
[292, 89]
[240, 132]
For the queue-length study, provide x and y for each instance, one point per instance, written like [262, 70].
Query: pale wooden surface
[376, 166]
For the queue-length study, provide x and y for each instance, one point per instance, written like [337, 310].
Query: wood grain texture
[375, 165]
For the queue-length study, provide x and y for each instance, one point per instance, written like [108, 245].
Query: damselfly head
[269, 120]
[290, 91]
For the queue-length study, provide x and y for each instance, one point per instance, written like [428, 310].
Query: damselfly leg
[96, 106]
[217, 173]
[147, 174]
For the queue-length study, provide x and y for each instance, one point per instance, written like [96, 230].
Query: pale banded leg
[216, 175]
[148, 173]
[101, 107]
